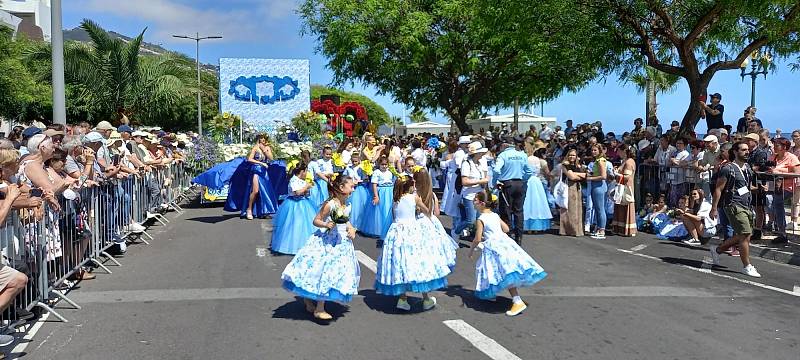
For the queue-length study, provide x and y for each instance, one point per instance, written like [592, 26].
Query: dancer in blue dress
[363, 190]
[536, 209]
[294, 222]
[445, 246]
[326, 268]
[251, 192]
[322, 171]
[409, 260]
[503, 264]
[378, 215]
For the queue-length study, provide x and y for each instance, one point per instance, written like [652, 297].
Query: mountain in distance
[78, 34]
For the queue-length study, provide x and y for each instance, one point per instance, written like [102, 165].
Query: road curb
[777, 254]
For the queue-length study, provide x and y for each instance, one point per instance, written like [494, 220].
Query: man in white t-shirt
[473, 180]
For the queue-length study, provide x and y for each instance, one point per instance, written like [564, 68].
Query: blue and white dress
[536, 209]
[503, 263]
[319, 194]
[409, 261]
[325, 268]
[294, 222]
[378, 218]
[444, 245]
[361, 196]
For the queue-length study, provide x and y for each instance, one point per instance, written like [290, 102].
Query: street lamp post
[197, 39]
[759, 66]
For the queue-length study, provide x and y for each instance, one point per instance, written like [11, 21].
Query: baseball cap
[124, 128]
[675, 123]
[92, 137]
[752, 136]
[716, 95]
[31, 131]
[711, 138]
[723, 131]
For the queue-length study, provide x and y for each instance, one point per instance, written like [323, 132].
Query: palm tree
[652, 82]
[418, 116]
[108, 76]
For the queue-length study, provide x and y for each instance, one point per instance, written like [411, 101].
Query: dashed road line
[709, 271]
[367, 261]
[22, 344]
[480, 341]
[639, 247]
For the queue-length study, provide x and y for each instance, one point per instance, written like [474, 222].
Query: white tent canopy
[423, 127]
[525, 121]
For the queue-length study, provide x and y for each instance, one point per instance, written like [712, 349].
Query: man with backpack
[734, 186]
[453, 202]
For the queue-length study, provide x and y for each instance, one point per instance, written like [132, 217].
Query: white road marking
[22, 344]
[639, 247]
[480, 341]
[367, 261]
[261, 252]
[708, 271]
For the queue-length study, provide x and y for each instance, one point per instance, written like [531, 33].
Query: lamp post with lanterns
[759, 65]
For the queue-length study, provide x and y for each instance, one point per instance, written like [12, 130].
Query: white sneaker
[714, 255]
[429, 303]
[587, 228]
[136, 228]
[403, 304]
[692, 242]
[750, 270]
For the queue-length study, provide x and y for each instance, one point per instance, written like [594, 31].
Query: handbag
[619, 193]
[561, 191]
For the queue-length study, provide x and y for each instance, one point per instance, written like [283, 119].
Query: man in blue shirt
[512, 171]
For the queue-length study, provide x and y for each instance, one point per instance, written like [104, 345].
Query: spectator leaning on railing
[785, 163]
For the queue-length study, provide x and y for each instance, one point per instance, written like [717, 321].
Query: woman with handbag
[570, 174]
[624, 222]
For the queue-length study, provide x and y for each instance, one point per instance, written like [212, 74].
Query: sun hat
[476, 148]
[104, 125]
[92, 137]
[143, 134]
[466, 139]
[752, 136]
[115, 136]
[54, 132]
[711, 138]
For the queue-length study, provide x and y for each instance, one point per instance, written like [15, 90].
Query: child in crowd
[409, 260]
[378, 214]
[361, 195]
[326, 268]
[503, 264]
[673, 228]
[294, 222]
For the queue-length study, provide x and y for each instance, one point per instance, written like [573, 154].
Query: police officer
[512, 171]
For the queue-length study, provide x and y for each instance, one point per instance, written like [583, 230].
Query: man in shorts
[734, 186]
[12, 282]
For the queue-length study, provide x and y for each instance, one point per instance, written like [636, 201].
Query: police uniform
[512, 170]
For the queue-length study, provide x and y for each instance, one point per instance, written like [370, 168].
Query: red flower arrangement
[338, 114]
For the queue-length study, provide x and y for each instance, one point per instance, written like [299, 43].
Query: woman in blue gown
[362, 194]
[536, 209]
[251, 193]
[294, 222]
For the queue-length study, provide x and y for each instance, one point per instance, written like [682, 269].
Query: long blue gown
[266, 202]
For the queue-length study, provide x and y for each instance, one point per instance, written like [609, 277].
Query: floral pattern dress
[326, 268]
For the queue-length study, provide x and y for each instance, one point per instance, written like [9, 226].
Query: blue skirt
[359, 200]
[242, 184]
[536, 210]
[293, 225]
[319, 193]
[324, 269]
[410, 261]
[504, 264]
[378, 218]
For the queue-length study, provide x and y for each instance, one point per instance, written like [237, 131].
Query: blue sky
[270, 29]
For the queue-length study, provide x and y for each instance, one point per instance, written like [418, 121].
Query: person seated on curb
[12, 282]
[698, 223]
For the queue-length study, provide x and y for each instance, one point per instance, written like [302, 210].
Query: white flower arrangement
[232, 151]
[292, 150]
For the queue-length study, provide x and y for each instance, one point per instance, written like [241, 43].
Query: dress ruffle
[410, 261]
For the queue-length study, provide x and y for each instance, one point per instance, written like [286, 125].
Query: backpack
[458, 185]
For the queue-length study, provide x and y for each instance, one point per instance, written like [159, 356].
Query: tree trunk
[459, 117]
[697, 90]
[650, 99]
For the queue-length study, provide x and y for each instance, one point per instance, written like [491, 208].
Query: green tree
[653, 82]
[418, 116]
[22, 97]
[456, 55]
[108, 75]
[376, 113]
[704, 37]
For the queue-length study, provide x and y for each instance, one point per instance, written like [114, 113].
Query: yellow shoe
[516, 309]
[323, 315]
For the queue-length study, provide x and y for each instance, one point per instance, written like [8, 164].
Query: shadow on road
[213, 219]
[296, 310]
[469, 300]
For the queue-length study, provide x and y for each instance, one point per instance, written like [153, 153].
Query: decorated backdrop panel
[264, 92]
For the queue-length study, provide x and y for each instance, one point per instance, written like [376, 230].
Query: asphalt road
[208, 288]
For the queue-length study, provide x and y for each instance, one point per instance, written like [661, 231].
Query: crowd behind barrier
[52, 247]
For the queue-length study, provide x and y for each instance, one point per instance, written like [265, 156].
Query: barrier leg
[65, 298]
[107, 255]
[99, 264]
[51, 311]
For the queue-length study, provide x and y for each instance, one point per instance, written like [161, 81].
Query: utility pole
[57, 57]
[197, 39]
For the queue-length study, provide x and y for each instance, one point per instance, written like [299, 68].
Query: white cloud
[250, 21]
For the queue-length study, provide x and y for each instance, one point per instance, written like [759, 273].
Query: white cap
[643, 144]
[464, 139]
[711, 138]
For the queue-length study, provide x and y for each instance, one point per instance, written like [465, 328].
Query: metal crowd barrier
[51, 247]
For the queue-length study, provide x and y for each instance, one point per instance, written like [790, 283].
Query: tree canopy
[700, 37]
[457, 55]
